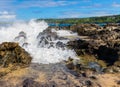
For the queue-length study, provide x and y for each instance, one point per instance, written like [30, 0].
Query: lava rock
[107, 54]
[31, 83]
[88, 83]
[12, 53]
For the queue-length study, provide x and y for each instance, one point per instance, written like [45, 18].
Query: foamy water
[66, 33]
[31, 29]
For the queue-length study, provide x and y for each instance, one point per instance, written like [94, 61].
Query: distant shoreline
[102, 19]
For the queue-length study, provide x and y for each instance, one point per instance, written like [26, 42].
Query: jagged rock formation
[49, 39]
[103, 43]
[101, 53]
[21, 38]
[12, 53]
[85, 29]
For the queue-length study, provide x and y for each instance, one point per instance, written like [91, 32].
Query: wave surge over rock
[44, 44]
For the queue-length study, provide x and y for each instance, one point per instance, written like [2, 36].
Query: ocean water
[25, 33]
[60, 25]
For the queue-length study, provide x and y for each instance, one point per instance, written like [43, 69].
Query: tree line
[102, 19]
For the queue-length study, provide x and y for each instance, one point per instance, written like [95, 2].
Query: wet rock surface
[22, 39]
[99, 62]
[49, 38]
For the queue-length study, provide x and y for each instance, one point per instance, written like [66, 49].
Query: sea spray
[26, 33]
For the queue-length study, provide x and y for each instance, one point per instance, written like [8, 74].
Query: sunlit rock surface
[54, 64]
[12, 53]
[56, 75]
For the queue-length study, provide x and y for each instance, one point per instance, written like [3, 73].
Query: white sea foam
[32, 29]
[66, 33]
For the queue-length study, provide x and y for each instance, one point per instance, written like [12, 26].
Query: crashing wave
[44, 45]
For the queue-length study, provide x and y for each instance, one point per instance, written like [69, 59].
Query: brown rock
[12, 53]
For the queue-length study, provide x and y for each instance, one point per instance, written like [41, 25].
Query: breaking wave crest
[45, 45]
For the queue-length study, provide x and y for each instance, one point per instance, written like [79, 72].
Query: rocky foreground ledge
[57, 75]
[16, 70]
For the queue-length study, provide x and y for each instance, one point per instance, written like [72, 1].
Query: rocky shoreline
[103, 43]
[97, 47]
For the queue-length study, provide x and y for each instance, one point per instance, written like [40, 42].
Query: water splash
[45, 46]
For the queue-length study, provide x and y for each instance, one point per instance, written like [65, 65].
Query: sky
[29, 9]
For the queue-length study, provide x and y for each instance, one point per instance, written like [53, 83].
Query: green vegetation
[103, 19]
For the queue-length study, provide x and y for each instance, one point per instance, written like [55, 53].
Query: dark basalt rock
[102, 43]
[30, 83]
[47, 34]
[21, 34]
[109, 55]
[88, 83]
[80, 46]
[93, 77]
[21, 38]
[60, 45]
[47, 39]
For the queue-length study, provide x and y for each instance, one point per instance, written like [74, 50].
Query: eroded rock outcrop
[103, 43]
[12, 53]
[85, 29]
[96, 53]
[49, 38]
[22, 39]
